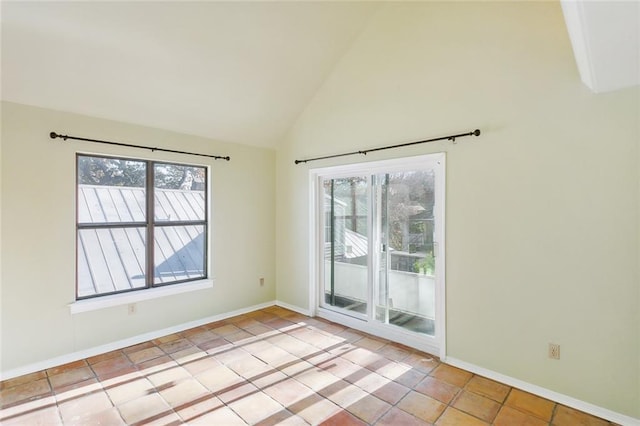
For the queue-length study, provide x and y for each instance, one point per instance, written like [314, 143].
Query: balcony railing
[409, 292]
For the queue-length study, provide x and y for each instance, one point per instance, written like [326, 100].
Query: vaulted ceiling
[230, 71]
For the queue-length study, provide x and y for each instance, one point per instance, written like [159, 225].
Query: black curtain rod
[452, 138]
[54, 135]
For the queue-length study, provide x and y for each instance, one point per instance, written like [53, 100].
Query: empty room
[338, 213]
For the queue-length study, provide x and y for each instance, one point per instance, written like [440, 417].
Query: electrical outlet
[261, 282]
[131, 308]
[554, 351]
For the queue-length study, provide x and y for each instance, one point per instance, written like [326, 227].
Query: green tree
[174, 176]
[409, 194]
[106, 171]
[111, 171]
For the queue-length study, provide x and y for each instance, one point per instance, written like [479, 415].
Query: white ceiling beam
[605, 36]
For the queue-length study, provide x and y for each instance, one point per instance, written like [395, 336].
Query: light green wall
[542, 209]
[38, 234]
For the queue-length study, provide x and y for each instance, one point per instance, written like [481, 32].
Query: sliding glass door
[380, 225]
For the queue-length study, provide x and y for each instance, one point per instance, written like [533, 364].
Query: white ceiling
[231, 71]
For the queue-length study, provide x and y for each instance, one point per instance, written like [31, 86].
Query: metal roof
[113, 259]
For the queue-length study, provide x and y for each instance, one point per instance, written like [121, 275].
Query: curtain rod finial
[53, 135]
[476, 132]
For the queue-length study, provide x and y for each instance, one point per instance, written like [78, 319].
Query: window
[122, 205]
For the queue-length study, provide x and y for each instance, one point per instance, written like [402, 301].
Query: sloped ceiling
[605, 36]
[230, 71]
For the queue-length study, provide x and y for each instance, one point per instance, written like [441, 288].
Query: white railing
[408, 291]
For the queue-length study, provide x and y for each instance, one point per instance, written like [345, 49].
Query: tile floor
[272, 366]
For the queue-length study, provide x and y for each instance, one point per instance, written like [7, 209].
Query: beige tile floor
[272, 366]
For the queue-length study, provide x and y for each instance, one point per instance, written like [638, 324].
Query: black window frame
[150, 223]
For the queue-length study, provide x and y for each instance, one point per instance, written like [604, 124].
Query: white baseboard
[134, 340]
[294, 308]
[546, 393]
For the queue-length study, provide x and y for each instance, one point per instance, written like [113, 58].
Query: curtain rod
[452, 138]
[54, 135]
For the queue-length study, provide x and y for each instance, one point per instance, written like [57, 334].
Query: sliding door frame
[435, 345]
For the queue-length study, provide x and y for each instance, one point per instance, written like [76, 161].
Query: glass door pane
[346, 243]
[406, 279]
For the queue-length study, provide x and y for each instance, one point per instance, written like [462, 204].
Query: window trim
[151, 289]
[129, 297]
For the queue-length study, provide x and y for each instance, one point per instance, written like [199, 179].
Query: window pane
[179, 192]
[179, 253]
[110, 190]
[110, 260]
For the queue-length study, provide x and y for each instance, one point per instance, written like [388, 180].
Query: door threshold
[424, 343]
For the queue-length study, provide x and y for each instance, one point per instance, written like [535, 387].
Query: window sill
[137, 296]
